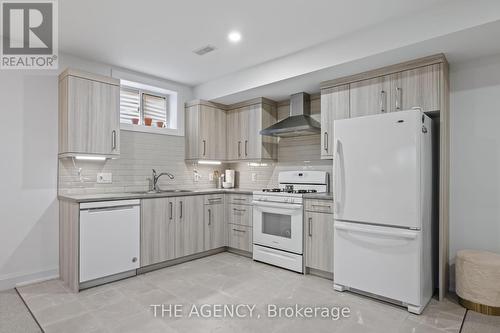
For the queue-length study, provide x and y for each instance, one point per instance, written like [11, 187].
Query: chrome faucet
[156, 177]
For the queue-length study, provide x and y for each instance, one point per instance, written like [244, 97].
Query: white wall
[28, 150]
[475, 156]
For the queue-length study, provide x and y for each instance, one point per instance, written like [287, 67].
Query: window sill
[153, 130]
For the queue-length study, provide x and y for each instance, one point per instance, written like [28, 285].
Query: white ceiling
[158, 37]
[458, 47]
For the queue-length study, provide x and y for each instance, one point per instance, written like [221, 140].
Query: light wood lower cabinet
[176, 227]
[240, 237]
[171, 228]
[215, 235]
[319, 241]
[157, 230]
[189, 227]
[239, 214]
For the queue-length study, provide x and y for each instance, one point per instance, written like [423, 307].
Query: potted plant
[135, 121]
[159, 124]
[148, 121]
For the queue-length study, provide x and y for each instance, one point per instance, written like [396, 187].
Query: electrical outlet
[211, 177]
[254, 176]
[196, 175]
[104, 178]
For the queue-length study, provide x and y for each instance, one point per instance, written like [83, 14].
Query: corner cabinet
[245, 122]
[230, 132]
[205, 131]
[89, 114]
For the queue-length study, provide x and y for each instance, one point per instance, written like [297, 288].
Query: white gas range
[278, 218]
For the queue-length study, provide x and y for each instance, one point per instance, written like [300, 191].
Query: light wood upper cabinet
[192, 132]
[234, 135]
[244, 141]
[158, 225]
[369, 97]
[205, 134]
[230, 133]
[212, 133]
[334, 105]
[319, 241]
[419, 87]
[89, 114]
[404, 90]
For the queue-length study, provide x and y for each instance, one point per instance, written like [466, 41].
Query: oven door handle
[276, 205]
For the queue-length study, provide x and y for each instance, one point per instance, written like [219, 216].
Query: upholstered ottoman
[478, 281]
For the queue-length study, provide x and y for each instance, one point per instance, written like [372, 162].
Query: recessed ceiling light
[234, 36]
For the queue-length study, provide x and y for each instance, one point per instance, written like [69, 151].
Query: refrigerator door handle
[396, 233]
[339, 175]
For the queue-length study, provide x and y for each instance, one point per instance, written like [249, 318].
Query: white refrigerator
[383, 207]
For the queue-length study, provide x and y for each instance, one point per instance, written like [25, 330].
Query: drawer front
[239, 214]
[240, 237]
[239, 199]
[213, 199]
[320, 206]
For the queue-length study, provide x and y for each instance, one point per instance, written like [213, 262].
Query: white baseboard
[10, 281]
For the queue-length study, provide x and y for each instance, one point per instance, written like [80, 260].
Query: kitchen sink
[161, 191]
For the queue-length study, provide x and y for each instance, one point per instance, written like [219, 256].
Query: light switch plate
[254, 176]
[104, 178]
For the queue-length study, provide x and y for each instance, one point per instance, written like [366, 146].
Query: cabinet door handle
[239, 230]
[239, 148]
[382, 101]
[398, 98]
[246, 147]
[180, 208]
[113, 140]
[322, 206]
[209, 216]
[325, 141]
[239, 210]
[310, 227]
[204, 147]
[171, 210]
[239, 199]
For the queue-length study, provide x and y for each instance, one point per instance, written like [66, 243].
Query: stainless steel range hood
[298, 123]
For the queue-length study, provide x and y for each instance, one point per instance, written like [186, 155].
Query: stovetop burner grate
[283, 190]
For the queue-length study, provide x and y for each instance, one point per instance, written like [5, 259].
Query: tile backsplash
[139, 154]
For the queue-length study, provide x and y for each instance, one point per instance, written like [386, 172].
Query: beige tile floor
[225, 278]
[14, 316]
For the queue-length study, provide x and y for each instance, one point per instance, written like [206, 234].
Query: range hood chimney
[298, 123]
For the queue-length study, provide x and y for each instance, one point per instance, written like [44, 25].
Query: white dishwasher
[109, 238]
